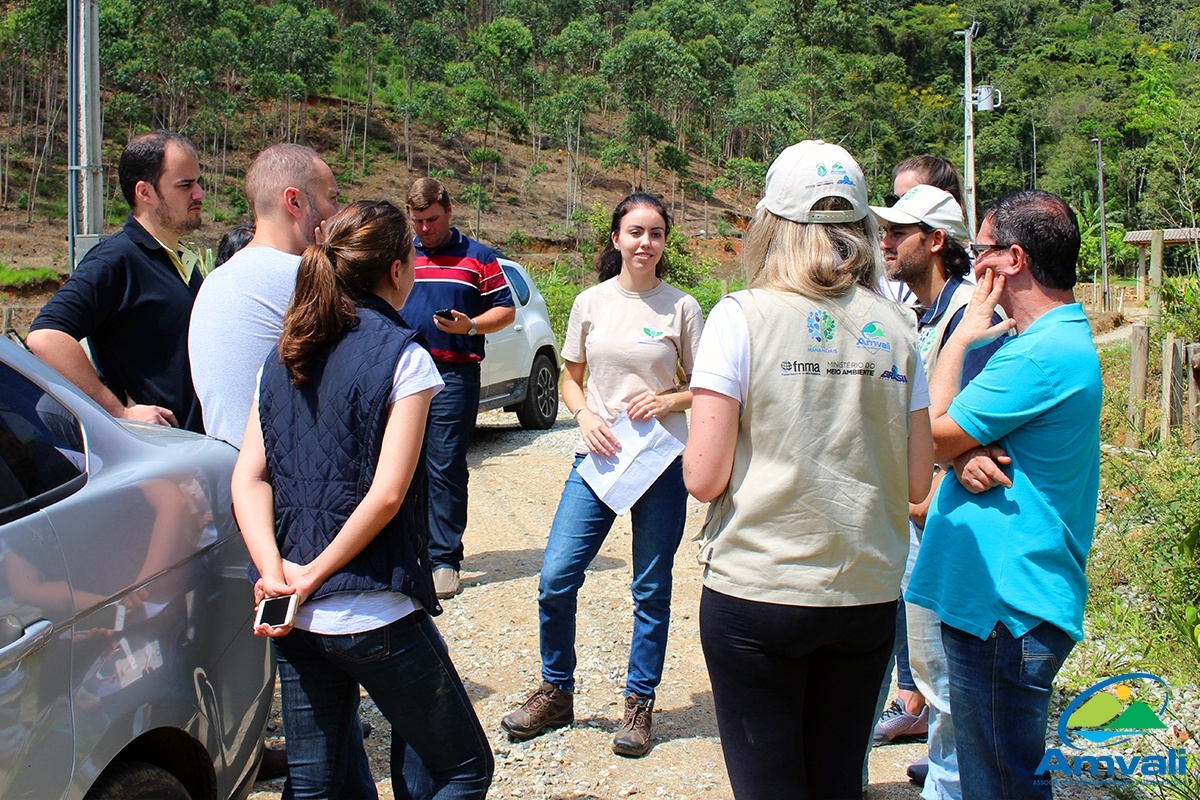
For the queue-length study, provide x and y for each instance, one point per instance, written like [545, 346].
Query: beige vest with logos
[930, 338]
[816, 512]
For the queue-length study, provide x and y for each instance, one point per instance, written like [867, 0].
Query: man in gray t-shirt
[238, 314]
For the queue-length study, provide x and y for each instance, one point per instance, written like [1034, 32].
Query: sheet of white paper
[647, 449]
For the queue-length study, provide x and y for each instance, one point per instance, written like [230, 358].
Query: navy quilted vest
[322, 443]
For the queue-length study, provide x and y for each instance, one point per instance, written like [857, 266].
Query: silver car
[127, 663]
[520, 372]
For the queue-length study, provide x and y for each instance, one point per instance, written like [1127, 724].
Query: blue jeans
[580, 526]
[932, 674]
[407, 671]
[452, 415]
[1000, 692]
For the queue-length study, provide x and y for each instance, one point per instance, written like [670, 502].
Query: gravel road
[491, 627]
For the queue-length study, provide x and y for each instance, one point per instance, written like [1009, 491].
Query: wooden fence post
[1172, 387]
[1135, 411]
[1156, 271]
[1193, 396]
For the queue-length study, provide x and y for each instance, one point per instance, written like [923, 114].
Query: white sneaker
[445, 582]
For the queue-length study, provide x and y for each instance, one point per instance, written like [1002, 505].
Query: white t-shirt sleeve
[723, 360]
[920, 389]
[415, 372]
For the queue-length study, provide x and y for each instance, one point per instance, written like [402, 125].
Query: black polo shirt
[128, 299]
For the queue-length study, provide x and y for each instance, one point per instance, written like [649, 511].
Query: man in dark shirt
[132, 294]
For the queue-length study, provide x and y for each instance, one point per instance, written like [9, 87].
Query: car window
[41, 446]
[518, 285]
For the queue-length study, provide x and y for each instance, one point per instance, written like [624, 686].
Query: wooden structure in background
[1155, 241]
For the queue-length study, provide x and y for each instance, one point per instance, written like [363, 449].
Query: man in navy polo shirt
[460, 278]
[132, 294]
[1003, 558]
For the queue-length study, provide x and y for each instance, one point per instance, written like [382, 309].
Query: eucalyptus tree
[655, 78]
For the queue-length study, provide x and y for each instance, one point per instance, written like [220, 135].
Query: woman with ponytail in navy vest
[329, 492]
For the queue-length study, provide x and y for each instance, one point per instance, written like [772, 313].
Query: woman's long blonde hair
[816, 260]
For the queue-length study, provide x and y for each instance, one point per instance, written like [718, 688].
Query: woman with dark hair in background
[234, 240]
[810, 438]
[329, 492]
[631, 334]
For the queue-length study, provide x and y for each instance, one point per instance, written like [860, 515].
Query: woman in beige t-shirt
[630, 334]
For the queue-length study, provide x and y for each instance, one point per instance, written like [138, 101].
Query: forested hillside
[691, 98]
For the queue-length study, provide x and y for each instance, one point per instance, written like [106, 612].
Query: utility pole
[969, 35]
[85, 195]
[1103, 226]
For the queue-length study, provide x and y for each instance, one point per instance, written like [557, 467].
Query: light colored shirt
[632, 343]
[236, 322]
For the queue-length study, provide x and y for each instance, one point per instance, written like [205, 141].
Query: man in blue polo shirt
[1004, 567]
[460, 294]
[132, 294]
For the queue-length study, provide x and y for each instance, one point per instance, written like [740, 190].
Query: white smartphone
[109, 618]
[277, 611]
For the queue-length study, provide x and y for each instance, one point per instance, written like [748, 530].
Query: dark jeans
[451, 426]
[794, 688]
[407, 672]
[1000, 691]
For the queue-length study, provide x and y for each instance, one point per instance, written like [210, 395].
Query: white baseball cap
[809, 171]
[930, 205]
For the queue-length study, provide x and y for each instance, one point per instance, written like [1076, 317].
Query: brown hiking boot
[546, 708]
[633, 737]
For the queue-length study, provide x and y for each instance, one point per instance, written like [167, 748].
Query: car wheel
[539, 409]
[137, 780]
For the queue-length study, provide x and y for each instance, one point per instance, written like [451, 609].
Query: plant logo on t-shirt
[652, 336]
[872, 338]
[821, 328]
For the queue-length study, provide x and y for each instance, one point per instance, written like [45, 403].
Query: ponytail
[362, 242]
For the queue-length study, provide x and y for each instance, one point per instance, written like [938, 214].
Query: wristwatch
[471, 330]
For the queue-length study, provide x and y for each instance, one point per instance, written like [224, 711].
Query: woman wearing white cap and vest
[810, 437]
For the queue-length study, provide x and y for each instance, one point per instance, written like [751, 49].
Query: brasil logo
[1111, 712]
[821, 326]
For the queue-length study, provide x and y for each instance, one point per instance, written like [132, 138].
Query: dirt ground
[516, 479]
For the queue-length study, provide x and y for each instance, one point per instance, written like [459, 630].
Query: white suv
[520, 369]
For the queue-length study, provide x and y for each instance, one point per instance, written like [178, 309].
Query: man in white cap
[923, 244]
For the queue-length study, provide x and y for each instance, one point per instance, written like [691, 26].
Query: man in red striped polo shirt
[460, 294]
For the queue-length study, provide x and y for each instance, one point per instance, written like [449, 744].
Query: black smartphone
[445, 313]
[277, 611]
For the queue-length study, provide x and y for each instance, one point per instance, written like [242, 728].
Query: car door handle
[518, 327]
[36, 637]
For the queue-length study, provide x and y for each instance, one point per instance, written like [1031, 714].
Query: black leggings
[795, 690]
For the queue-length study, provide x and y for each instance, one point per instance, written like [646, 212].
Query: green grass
[1143, 570]
[15, 277]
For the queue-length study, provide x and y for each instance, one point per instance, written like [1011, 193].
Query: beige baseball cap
[809, 171]
[930, 205]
